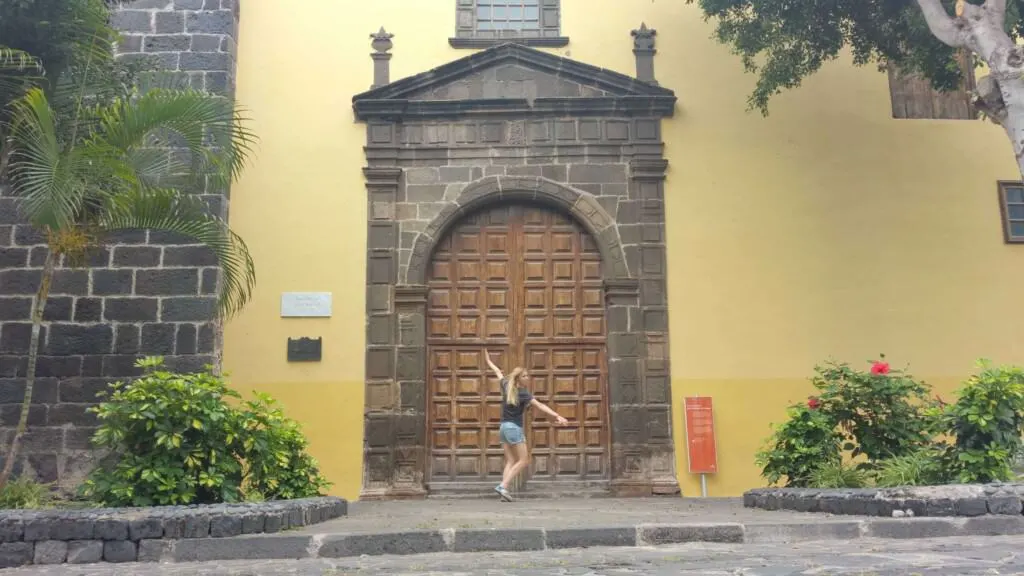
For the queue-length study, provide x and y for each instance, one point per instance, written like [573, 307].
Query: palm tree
[86, 171]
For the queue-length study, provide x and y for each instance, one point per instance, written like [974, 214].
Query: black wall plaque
[305, 349]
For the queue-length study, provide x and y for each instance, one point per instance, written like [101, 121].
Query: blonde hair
[512, 387]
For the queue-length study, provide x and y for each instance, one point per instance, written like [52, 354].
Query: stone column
[648, 264]
[643, 49]
[381, 384]
[411, 373]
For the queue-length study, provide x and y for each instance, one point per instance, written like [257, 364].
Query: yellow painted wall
[827, 229]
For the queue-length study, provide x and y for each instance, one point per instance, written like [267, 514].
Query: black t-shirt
[514, 414]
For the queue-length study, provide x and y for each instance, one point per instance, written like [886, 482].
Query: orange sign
[702, 452]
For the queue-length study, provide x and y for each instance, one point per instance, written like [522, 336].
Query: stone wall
[143, 293]
[145, 534]
[965, 500]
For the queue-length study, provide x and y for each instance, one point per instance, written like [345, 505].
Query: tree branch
[997, 8]
[941, 23]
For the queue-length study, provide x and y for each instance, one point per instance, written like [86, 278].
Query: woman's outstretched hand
[561, 421]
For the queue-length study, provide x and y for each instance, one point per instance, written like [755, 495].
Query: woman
[515, 399]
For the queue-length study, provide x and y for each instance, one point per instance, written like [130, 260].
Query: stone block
[73, 527]
[155, 550]
[994, 526]
[169, 23]
[111, 529]
[498, 540]
[14, 554]
[70, 339]
[398, 543]
[590, 537]
[88, 310]
[970, 507]
[84, 551]
[130, 309]
[801, 532]
[143, 528]
[11, 529]
[197, 526]
[940, 507]
[168, 282]
[136, 256]
[682, 533]
[158, 339]
[188, 309]
[224, 526]
[242, 548]
[50, 552]
[119, 551]
[253, 523]
[913, 528]
[1004, 505]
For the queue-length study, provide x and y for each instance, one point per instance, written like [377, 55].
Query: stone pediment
[512, 78]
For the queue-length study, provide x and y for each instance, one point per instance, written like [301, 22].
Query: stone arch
[582, 206]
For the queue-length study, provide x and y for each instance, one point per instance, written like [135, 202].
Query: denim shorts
[511, 433]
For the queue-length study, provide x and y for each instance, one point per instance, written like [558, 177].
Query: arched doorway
[525, 281]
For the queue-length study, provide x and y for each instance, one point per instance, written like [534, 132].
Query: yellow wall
[827, 229]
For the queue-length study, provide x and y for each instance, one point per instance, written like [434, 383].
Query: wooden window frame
[938, 102]
[1004, 211]
[468, 35]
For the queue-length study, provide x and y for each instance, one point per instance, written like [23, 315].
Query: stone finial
[381, 57]
[643, 48]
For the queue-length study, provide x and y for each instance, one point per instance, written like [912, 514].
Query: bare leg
[510, 462]
[522, 461]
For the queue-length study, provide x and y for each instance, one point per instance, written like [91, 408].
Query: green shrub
[805, 442]
[839, 475]
[921, 468]
[177, 439]
[986, 421]
[23, 493]
[276, 461]
[881, 412]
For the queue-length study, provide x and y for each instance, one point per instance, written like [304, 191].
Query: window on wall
[914, 98]
[482, 23]
[1011, 201]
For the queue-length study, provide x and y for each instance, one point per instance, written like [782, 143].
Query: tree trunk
[38, 306]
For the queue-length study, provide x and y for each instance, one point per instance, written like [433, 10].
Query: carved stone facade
[513, 124]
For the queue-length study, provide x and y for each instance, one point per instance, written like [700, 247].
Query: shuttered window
[914, 98]
[482, 23]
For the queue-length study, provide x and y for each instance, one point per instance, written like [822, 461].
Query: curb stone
[290, 546]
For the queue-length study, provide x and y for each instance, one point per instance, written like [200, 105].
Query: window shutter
[914, 98]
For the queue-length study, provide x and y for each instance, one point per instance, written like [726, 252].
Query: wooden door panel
[524, 281]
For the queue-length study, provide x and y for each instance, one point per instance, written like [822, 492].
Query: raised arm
[543, 408]
[487, 356]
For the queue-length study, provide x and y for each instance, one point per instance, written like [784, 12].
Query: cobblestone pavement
[961, 556]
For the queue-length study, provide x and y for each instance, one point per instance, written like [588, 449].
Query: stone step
[534, 489]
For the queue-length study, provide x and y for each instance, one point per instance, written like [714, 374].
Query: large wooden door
[524, 281]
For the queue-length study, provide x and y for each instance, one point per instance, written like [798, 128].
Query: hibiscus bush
[881, 426]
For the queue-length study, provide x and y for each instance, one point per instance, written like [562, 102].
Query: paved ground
[394, 516]
[961, 556]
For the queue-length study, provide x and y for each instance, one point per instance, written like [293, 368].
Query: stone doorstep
[285, 546]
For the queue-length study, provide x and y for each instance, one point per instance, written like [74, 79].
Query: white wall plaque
[305, 304]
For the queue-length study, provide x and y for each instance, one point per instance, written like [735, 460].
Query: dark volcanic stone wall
[144, 293]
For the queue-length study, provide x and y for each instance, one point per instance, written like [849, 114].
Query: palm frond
[209, 127]
[46, 175]
[18, 70]
[185, 214]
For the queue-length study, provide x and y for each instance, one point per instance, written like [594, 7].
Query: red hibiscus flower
[813, 403]
[880, 368]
